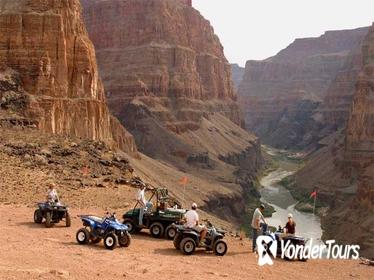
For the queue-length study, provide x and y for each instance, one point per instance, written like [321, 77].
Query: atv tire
[170, 232]
[83, 236]
[110, 241]
[220, 247]
[124, 240]
[188, 246]
[132, 228]
[38, 218]
[156, 230]
[177, 241]
[67, 219]
[48, 219]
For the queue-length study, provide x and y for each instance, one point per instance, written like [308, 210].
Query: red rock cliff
[46, 43]
[164, 55]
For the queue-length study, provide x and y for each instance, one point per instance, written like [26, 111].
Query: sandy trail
[30, 251]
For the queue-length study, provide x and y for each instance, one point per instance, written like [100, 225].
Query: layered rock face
[344, 168]
[237, 75]
[44, 44]
[168, 81]
[162, 65]
[282, 96]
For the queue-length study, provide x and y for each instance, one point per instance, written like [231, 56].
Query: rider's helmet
[194, 206]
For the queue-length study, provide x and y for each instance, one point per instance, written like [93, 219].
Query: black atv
[52, 213]
[187, 240]
[160, 221]
[292, 239]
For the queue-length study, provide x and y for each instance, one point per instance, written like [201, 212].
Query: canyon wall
[169, 83]
[237, 75]
[45, 46]
[343, 170]
[283, 97]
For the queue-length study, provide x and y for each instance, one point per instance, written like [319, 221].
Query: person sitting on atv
[256, 224]
[142, 202]
[192, 221]
[52, 196]
[290, 227]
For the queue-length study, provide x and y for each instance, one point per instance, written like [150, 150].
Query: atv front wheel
[171, 231]
[67, 219]
[220, 247]
[48, 219]
[157, 230]
[188, 246]
[83, 236]
[38, 218]
[110, 241]
[124, 240]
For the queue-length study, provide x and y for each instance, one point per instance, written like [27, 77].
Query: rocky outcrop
[237, 75]
[44, 44]
[283, 96]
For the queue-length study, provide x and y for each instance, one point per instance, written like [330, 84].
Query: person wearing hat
[256, 224]
[290, 227]
[192, 221]
[52, 196]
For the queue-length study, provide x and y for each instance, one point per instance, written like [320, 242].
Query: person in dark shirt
[291, 225]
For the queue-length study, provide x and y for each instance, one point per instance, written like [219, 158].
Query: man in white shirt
[142, 202]
[192, 221]
[52, 195]
[256, 224]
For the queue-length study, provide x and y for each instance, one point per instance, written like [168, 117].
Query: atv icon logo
[267, 249]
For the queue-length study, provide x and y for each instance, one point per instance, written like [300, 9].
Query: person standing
[142, 202]
[256, 224]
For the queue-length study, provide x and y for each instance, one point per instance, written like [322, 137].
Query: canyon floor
[31, 251]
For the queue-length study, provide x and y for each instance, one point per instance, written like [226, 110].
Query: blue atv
[108, 229]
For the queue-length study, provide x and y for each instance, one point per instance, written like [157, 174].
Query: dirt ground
[30, 251]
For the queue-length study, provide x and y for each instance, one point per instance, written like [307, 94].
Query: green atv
[160, 220]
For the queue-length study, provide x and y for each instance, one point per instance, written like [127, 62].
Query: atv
[108, 229]
[52, 213]
[187, 240]
[293, 239]
[160, 221]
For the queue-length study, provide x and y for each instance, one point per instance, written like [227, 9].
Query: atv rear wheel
[110, 241]
[177, 241]
[48, 219]
[188, 246]
[171, 231]
[157, 230]
[124, 240]
[83, 236]
[67, 219]
[38, 218]
[220, 247]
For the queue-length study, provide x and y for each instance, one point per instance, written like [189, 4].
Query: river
[307, 224]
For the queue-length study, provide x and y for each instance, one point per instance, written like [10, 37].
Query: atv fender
[88, 223]
[194, 235]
